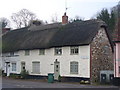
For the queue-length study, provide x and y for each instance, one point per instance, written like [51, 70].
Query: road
[17, 83]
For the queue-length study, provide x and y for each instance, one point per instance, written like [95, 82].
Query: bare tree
[76, 19]
[5, 22]
[54, 18]
[22, 18]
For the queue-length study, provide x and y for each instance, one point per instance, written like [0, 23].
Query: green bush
[16, 76]
[24, 74]
[59, 78]
[84, 82]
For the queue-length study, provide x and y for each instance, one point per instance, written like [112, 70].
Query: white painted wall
[47, 61]
[6, 58]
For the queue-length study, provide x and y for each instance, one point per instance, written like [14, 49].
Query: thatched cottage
[75, 51]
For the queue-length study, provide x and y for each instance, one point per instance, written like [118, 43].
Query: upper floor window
[74, 67]
[27, 52]
[13, 66]
[11, 53]
[41, 51]
[58, 51]
[74, 50]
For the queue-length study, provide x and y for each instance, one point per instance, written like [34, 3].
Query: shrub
[24, 74]
[12, 75]
[82, 82]
[59, 78]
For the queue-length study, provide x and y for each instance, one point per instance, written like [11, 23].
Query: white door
[8, 68]
[56, 70]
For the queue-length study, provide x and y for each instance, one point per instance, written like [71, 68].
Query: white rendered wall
[13, 59]
[47, 61]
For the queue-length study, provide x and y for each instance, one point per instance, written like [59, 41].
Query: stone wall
[101, 55]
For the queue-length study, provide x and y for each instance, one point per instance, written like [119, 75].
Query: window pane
[58, 51]
[74, 50]
[42, 52]
[74, 67]
[27, 52]
[13, 66]
[11, 53]
[36, 67]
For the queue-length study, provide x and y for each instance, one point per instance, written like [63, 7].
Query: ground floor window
[13, 66]
[36, 67]
[74, 67]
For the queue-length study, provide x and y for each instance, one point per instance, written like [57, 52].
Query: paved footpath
[17, 83]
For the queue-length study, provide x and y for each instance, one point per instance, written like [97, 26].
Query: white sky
[45, 9]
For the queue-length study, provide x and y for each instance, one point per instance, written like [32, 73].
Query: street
[17, 83]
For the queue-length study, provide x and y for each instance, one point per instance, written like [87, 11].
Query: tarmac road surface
[18, 83]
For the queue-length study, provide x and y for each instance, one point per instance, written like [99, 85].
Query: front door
[22, 66]
[56, 70]
[8, 68]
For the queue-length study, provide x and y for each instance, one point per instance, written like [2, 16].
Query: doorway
[22, 66]
[56, 70]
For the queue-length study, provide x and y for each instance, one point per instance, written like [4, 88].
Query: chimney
[64, 19]
[5, 30]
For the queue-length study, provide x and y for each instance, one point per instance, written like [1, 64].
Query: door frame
[56, 74]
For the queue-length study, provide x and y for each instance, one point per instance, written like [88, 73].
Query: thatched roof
[72, 34]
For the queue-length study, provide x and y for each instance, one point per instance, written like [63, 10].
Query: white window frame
[14, 66]
[58, 51]
[74, 50]
[74, 66]
[41, 51]
[35, 68]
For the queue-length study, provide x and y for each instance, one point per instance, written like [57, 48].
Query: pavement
[22, 83]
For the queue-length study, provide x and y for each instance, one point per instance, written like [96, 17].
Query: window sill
[74, 54]
[35, 73]
[74, 73]
[58, 54]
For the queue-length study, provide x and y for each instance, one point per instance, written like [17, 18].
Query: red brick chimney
[64, 19]
[5, 30]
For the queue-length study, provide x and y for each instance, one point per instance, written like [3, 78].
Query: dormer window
[58, 51]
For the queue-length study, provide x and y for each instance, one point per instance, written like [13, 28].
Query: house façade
[75, 51]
